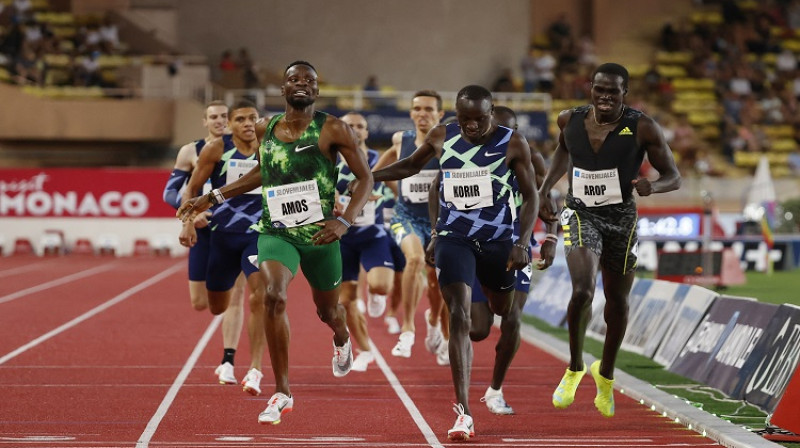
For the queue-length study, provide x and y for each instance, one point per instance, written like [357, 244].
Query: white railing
[270, 98]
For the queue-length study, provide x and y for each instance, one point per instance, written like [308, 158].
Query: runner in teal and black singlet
[412, 232]
[478, 161]
[297, 175]
[601, 146]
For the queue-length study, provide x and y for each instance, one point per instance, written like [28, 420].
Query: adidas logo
[625, 131]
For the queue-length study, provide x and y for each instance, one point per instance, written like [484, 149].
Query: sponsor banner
[750, 251]
[688, 315]
[84, 193]
[651, 319]
[788, 409]
[727, 316]
[766, 373]
[383, 123]
[549, 295]
[725, 368]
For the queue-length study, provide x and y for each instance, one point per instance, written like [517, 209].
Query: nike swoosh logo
[301, 221]
[303, 148]
[492, 154]
[525, 283]
[600, 202]
[388, 263]
[471, 205]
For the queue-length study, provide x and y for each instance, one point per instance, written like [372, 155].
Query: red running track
[107, 352]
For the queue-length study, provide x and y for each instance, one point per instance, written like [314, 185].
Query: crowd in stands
[748, 52]
[724, 83]
[46, 48]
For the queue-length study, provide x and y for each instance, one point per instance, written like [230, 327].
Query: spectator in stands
[226, 62]
[23, 9]
[504, 82]
[785, 62]
[245, 63]
[530, 74]
[372, 84]
[11, 45]
[91, 40]
[545, 64]
[771, 107]
[87, 71]
[28, 67]
[559, 33]
[684, 144]
[109, 36]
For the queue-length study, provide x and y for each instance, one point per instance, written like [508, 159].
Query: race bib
[238, 168]
[367, 215]
[415, 188]
[294, 204]
[468, 189]
[596, 188]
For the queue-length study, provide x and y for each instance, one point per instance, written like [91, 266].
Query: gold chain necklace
[594, 116]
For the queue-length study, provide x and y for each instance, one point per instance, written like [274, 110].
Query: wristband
[551, 237]
[523, 247]
[215, 197]
[343, 221]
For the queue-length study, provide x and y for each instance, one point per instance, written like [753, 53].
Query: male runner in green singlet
[297, 176]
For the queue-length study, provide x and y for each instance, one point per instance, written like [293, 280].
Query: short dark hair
[241, 104]
[474, 92]
[611, 68]
[505, 110]
[432, 94]
[306, 63]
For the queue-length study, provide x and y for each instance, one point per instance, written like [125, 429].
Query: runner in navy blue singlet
[232, 241]
[478, 161]
[215, 119]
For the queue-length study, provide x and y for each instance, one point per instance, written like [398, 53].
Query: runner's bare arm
[518, 157]
[660, 156]
[413, 164]
[558, 167]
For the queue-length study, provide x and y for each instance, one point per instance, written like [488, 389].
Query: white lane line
[91, 313]
[56, 282]
[423, 426]
[155, 420]
[21, 269]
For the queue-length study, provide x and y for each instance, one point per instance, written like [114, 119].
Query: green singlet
[298, 191]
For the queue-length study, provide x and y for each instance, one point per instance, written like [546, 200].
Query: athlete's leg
[508, 343]
[255, 321]
[481, 316]
[350, 292]
[356, 322]
[439, 314]
[413, 279]
[582, 264]
[198, 295]
[617, 287]
[233, 317]
[331, 313]
[276, 277]
[456, 261]
[395, 300]
[457, 296]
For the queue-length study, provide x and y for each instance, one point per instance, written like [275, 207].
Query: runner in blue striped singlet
[478, 161]
[232, 241]
[215, 119]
